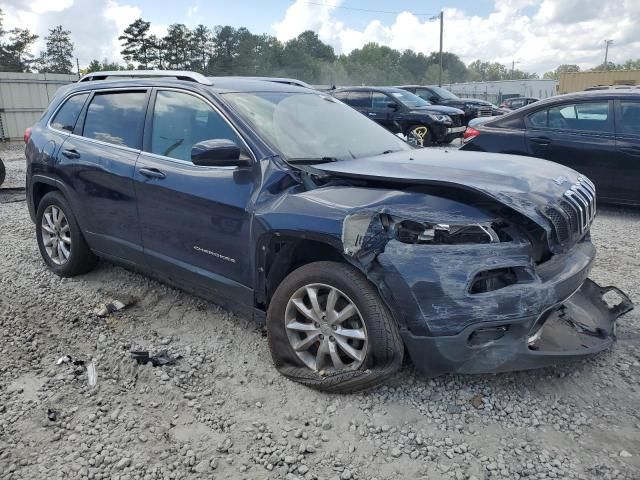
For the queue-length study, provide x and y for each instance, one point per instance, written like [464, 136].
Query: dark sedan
[596, 133]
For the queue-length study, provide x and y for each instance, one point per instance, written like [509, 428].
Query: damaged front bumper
[581, 326]
[552, 314]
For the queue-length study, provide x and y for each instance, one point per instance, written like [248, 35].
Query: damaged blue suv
[282, 203]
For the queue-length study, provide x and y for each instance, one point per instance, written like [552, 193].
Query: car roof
[369, 89]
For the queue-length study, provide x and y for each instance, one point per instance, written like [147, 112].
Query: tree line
[225, 50]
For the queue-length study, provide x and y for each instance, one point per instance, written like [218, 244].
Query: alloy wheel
[56, 235]
[418, 135]
[325, 329]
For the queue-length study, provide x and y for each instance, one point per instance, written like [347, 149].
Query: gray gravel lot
[224, 412]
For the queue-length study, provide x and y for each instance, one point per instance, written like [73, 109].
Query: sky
[537, 34]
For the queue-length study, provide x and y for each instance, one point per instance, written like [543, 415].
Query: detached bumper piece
[581, 326]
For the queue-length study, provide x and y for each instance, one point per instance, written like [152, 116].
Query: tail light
[27, 135]
[469, 134]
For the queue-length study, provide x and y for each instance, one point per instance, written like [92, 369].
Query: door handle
[71, 153]
[631, 150]
[542, 141]
[152, 173]
[372, 114]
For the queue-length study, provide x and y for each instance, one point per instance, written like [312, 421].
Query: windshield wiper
[311, 161]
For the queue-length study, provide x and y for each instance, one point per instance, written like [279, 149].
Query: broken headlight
[409, 231]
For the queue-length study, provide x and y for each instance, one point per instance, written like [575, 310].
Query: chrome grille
[581, 198]
[484, 111]
[572, 215]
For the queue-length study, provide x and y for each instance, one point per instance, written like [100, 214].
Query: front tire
[419, 135]
[3, 172]
[61, 243]
[329, 329]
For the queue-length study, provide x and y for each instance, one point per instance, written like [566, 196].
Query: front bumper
[581, 326]
[448, 328]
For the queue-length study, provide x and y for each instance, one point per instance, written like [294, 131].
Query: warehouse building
[498, 91]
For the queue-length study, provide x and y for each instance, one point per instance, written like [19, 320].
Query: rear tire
[373, 349]
[60, 240]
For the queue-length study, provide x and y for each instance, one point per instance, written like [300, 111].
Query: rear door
[360, 100]
[627, 115]
[579, 135]
[97, 161]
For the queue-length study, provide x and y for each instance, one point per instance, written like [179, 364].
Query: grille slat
[572, 216]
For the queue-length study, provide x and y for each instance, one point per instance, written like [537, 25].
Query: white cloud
[94, 24]
[540, 34]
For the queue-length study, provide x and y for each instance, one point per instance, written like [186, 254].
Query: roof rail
[178, 74]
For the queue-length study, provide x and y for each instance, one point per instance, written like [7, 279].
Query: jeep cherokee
[282, 203]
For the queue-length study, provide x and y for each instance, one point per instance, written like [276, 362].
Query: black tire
[427, 140]
[385, 349]
[81, 258]
[3, 172]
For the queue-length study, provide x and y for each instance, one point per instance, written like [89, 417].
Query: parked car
[472, 107]
[613, 87]
[403, 113]
[596, 133]
[285, 204]
[517, 102]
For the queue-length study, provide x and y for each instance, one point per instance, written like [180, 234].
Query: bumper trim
[579, 327]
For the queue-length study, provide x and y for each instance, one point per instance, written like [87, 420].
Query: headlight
[439, 118]
[409, 231]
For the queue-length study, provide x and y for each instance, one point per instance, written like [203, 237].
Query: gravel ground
[222, 411]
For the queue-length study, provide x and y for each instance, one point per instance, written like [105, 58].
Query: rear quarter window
[629, 121]
[67, 116]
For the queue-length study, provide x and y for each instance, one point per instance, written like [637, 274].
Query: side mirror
[218, 152]
[392, 106]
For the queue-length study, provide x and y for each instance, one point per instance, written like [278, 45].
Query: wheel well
[40, 189]
[282, 255]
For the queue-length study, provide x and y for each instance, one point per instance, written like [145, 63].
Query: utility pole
[606, 53]
[78, 67]
[513, 67]
[441, 31]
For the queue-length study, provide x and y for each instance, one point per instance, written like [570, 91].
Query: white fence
[23, 98]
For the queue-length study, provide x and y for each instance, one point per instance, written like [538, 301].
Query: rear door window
[587, 116]
[67, 116]
[538, 119]
[116, 117]
[629, 121]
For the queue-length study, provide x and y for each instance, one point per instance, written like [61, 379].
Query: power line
[433, 16]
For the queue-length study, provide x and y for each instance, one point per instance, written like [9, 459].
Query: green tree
[225, 46]
[136, 43]
[201, 48]
[177, 47]
[105, 65]
[59, 52]
[564, 68]
[16, 55]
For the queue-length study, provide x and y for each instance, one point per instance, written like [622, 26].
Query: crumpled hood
[524, 184]
[438, 110]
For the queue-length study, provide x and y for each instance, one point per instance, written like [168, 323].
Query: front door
[194, 219]
[381, 111]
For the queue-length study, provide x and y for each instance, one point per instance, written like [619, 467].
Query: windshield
[443, 93]
[410, 100]
[313, 126]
